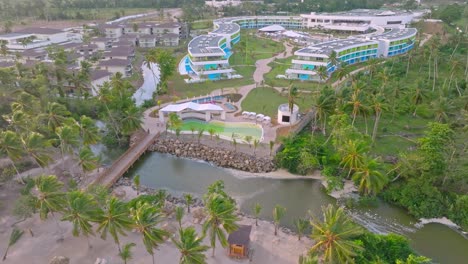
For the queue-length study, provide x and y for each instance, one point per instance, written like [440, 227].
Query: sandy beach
[281, 249]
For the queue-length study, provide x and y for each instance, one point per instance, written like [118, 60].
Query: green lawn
[279, 67]
[202, 25]
[225, 130]
[266, 100]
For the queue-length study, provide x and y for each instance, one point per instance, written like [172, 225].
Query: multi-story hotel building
[349, 51]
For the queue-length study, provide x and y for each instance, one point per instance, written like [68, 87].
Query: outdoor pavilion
[192, 110]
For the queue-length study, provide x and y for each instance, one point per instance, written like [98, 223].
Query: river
[298, 196]
[151, 81]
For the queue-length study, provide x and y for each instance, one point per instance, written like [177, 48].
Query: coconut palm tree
[200, 134]
[190, 246]
[371, 181]
[126, 253]
[88, 131]
[322, 73]
[55, 115]
[10, 144]
[333, 58]
[35, 146]
[248, 140]
[353, 154]
[81, 210]
[324, 105]
[188, 201]
[114, 219]
[68, 138]
[221, 219]
[343, 71]
[308, 259]
[14, 237]
[257, 209]
[357, 104]
[87, 160]
[132, 120]
[301, 226]
[136, 182]
[105, 97]
[334, 236]
[179, 213]
[278, 213]
[378, 105]
[212, 132]
[272, 144]
[443, 107]
[47, 196]
[145, 220]
[256, 143]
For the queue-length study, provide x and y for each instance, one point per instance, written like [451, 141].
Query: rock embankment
[218, 156]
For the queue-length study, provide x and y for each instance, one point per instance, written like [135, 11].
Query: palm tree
[126, 253]
[257, 208]
[256, 143]
[322, 73]
[200, 134]
[234, 143]
[190, 246]
[88, 131]
[212, 132]
[114, 219]
[47, 196]
[248, 139]
[442, 107]
[334, 236]
[81, 210]
[132, 120]
[221, 218]
[278, 213]
[10, 144]
[324, 106]
[179, 213]
[192, 129]
[35, 146]
[55, 115]
[371, 181]
[188, 201]
[378, 105]
[87, 160]
[136, 182]
[333, 58]
[68, 138]
[145, 219]
[353, 155]
[343, 72]
[105, 97]
[308, 259]
[301, 227]
[412, 259]
[357, 104]
[272, 144]
[14, 237]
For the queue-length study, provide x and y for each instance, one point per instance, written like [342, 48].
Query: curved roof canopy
[272, 28]
[191, 106]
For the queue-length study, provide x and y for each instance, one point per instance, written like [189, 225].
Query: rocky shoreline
[217, 156]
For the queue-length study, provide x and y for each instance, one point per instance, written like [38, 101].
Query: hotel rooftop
[325, 48]
[396, 33]
[224, 28]
[367, 12]
[206, 44]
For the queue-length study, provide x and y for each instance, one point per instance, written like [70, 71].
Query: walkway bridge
[112, 174]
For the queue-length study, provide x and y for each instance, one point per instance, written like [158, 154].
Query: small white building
[31, 38]
[98, 78]
[117, 65]
[192, 110]
[285, 117]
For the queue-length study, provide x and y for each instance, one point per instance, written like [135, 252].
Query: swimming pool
[225, 130]
[230, 106]
[210, 99]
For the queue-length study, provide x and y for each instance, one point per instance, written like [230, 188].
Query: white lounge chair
[245, 114]
[267, 119]
[260, 117]
[253, 115]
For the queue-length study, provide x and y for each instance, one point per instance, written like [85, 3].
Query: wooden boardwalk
[112, 174]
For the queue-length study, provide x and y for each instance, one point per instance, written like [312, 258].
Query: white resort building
[305, 65]
[359, 20]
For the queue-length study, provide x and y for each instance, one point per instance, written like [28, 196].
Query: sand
[45, 244]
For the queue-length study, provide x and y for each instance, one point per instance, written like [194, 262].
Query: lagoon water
[298, 196]
[150, 82]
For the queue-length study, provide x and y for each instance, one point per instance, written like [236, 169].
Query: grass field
[266, 100]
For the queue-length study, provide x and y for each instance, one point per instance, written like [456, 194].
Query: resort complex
[208, 55]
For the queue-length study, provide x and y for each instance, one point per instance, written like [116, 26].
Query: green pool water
[224, 129]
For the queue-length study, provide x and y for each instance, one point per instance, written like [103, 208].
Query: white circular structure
[285, 117]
